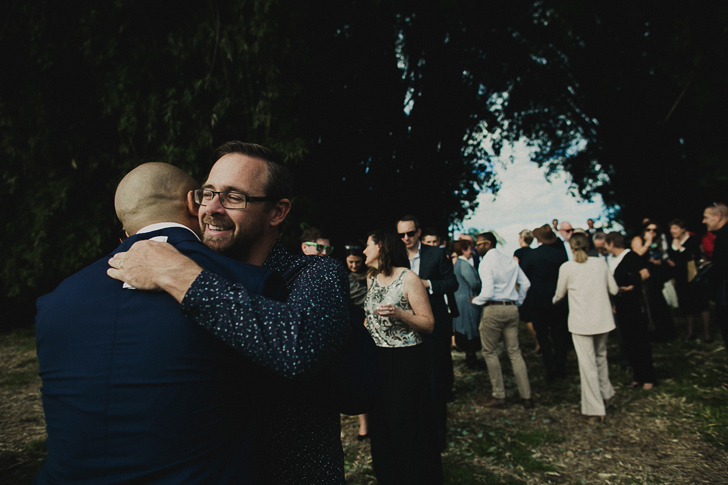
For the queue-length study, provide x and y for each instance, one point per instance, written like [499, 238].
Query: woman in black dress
[649, 246]
[685, 255]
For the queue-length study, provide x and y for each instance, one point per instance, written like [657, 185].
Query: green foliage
[382, 108]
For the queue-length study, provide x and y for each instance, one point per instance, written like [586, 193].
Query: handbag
[703, 276]
[692, 270]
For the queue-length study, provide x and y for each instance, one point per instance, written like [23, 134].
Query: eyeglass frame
[327, 249]
[223, 195]
[408, 234]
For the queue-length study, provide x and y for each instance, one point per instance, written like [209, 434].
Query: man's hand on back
[157, 266]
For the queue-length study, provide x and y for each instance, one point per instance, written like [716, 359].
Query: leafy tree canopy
[381, 108]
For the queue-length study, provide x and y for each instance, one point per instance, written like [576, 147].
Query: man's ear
[192, 207]
[280, 211]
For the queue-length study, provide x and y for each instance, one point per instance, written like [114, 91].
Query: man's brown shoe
[527, 403]
[495, 403]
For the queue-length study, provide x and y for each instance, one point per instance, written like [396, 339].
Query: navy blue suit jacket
[541, 266]
[133, 391]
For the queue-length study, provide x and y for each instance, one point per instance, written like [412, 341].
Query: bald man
[134, 392]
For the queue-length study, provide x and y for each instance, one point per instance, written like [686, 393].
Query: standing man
[715, 219]
[598, 246]
[133, 391]
[313, 243]
[243, 203]
[550, 321]
[434, 267]
[430, 237]
[565, 232]
[504, 287]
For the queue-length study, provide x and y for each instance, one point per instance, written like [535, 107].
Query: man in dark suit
[541, 266]
[715, 218]
[434, 268]
[133, 391]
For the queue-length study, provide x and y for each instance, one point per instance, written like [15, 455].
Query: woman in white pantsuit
[588, 283]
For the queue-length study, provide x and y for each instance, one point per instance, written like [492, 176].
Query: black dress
[691, 298]
[632, 318]
[660, 323]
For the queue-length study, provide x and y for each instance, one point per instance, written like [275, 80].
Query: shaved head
[151, 193]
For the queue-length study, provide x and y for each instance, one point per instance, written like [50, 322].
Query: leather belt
[501, 303]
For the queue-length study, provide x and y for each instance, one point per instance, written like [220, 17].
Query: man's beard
[237, 247]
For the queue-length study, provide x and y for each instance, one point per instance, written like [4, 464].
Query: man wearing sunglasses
[434, 267]
[313, 243]
[565, 232]
[243, 205]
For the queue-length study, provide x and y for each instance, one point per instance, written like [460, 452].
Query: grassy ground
[677, 433]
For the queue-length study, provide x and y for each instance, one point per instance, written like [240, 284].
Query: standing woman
[684, 257]
[650, 247]
[525, 238]
[467, 335]
[588, 284]
[400, 424]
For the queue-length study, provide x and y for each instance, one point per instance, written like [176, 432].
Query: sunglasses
[321, 248]
[651, 229]
[408, 234]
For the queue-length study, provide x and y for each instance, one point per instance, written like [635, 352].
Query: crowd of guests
[201, 350]
[571, 291]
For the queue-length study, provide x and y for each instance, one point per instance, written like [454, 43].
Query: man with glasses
[244, 202]
[133, 391]
[313, 243]
[434, 267]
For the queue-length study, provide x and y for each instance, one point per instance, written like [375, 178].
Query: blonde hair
[579, 244]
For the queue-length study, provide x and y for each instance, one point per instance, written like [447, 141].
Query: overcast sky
[526, 200]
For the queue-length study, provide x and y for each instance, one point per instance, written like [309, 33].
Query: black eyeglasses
[229, 200]
[651, 229]
[320, 248]
[408, 234]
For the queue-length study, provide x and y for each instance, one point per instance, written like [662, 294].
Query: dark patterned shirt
[287, 337]
[298, 436]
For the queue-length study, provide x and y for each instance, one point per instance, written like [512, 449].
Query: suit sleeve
[288, 337]
[447, 283]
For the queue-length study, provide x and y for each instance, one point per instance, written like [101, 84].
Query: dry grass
[675, 434]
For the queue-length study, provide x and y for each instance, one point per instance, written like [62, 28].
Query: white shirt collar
[164, 225]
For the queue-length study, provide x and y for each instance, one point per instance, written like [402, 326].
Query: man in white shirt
[504, 287]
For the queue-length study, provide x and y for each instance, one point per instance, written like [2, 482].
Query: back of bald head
[151, 193]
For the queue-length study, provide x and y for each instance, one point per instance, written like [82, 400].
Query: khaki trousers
[500, 320]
